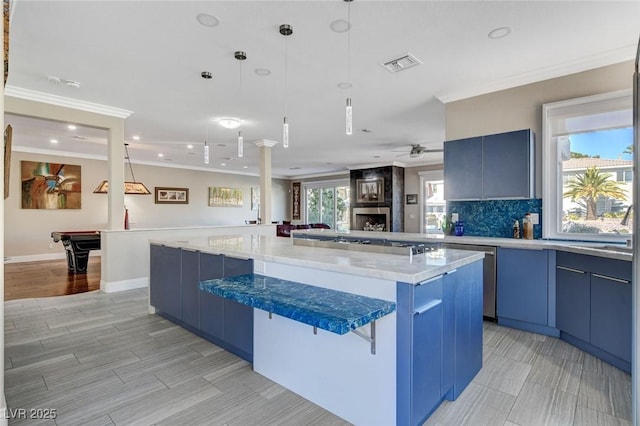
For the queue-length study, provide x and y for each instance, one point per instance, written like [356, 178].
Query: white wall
[28, 231]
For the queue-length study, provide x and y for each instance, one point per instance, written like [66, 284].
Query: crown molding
[32, 95]
[572, 67]
[265, 142]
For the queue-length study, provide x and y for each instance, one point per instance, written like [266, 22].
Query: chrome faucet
[625, 219]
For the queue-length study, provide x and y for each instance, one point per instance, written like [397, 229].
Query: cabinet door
[190, 289]
[507, 165]
[463, 169]
[611, 315]
[211, 306]
[238, 318]
[156, 277]
[573, 300]
[426, 350]
[523, 285]
[166, 298]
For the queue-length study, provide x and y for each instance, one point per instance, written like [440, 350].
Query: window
[327, 202]
[433, 206]
[588, 167]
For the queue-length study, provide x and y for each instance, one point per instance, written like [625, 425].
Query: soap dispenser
[516, 229]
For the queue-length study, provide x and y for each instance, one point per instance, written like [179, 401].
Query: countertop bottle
[527, 227]
[516, 229]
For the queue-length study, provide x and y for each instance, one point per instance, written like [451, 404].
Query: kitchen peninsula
[426, 345]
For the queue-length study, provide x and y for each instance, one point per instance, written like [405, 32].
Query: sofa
[284, 230]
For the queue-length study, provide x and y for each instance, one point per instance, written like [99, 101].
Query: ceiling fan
[417, 151]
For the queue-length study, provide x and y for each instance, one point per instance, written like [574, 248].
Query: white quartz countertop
[376, 265]
[609, 250]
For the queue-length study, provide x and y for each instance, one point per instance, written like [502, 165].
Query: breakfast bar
[300, 315]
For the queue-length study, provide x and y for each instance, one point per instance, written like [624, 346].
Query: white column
[265, 178]
[115, 216]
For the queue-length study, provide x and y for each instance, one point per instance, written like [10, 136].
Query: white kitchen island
[426, 350]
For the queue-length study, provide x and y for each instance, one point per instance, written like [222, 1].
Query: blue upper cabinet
[463, 169]
[490, 167]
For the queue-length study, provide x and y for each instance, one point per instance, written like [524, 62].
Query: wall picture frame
[412, 198]
[370, 190]
[225, 197]
[167, 195]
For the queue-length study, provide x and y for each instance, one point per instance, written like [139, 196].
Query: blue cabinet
[522, 285]
[439, 328]
[611, 315]
[490, 167]
[463, 169]
[165, 270]
[190, 279]
[174, 280]
[573, 301]
[593, 302]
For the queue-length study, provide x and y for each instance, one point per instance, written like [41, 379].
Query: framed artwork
[412, 198]
[172, 195]
[370, 190]
[225, 197]
[295, 198]
[255, 198]
[8, 132]
[50, 185]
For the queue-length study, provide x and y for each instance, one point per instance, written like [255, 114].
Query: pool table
[77, 245]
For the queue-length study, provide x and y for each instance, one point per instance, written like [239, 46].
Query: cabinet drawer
[427, 292]
[614, 268]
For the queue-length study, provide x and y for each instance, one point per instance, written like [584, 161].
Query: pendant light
[349, 110]
[240, 56]
[135, 187]
[206, 147]
[286, 30]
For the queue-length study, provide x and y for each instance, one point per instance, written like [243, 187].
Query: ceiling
[148, 57]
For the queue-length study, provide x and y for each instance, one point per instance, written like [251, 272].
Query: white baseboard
[113, 286]
[42, 257]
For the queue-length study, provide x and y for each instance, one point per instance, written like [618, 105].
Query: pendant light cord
[285, 75]
[126, 148]
[349, 48]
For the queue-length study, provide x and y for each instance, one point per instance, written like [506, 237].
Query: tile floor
[100, 359]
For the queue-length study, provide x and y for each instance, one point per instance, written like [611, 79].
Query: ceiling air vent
[402, 63]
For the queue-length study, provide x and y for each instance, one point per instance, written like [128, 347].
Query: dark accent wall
[393, 192]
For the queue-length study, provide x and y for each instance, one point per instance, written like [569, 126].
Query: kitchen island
[427, 348]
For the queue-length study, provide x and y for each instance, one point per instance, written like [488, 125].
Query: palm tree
[591, 185]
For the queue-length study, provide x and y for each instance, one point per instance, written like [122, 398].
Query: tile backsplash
[495, 218]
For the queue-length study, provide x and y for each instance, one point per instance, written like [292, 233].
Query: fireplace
[370, 218]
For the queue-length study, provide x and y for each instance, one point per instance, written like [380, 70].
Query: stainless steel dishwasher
[489, 276]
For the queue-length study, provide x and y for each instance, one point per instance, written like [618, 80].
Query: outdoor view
[329, 205]
[597, 178]
[434, 206]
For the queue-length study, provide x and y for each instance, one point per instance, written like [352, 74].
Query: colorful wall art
[50, 185]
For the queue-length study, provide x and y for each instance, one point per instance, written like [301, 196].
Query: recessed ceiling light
[160, 155]
[262, 72]
[227, 158]
[344, 85]
[71, 127]
[207, 20]
[189, 146]
[499, 32]
[340, 26]
[245, 167]
[229, 123]
[223, 164]
[366, 130]
[376, 156]
[54, 141]
[136, 138]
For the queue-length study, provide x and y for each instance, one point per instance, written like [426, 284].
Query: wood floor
[48, 278]
[101, 359]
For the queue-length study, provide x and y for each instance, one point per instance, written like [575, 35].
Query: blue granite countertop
[331, 310]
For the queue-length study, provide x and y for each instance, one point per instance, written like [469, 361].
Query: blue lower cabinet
[211, 307]
[165, 271]
[439, 347]
[522, 285]
[190, 279]
[573, 302]
[611, 317]
[468, 325]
